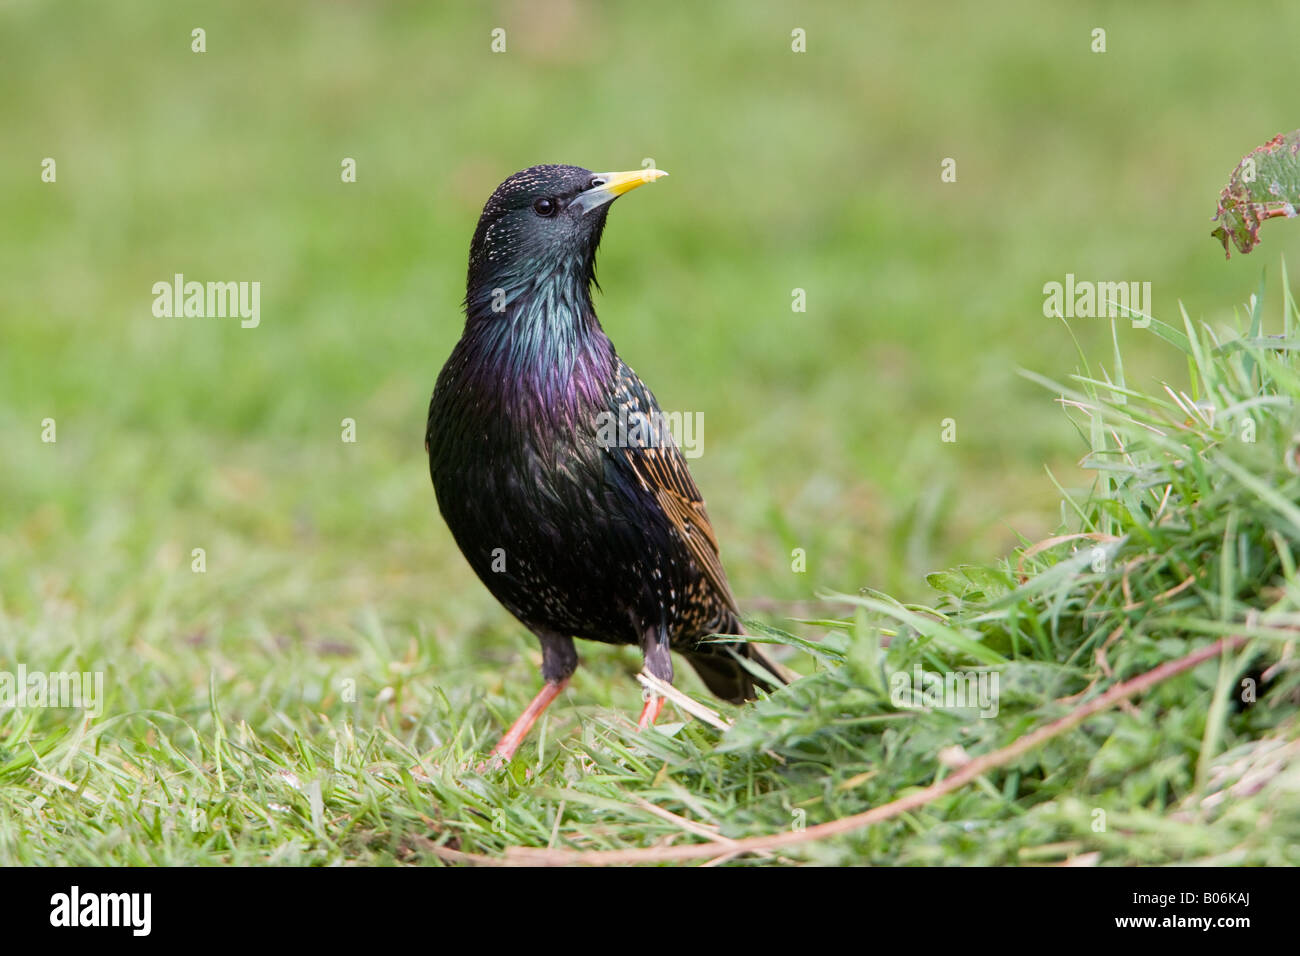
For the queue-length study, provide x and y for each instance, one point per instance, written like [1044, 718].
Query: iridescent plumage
[576, 534]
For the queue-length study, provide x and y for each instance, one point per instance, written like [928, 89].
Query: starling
[553, 465]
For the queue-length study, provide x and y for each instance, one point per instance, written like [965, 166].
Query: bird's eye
[544, 207]
[596, 182]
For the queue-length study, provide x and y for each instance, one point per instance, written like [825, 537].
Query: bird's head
[545, 221]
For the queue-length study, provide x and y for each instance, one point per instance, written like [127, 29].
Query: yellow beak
[619, 183]
[613, 186]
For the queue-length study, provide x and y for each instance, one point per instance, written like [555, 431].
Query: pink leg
[650, 712]
[513, 737]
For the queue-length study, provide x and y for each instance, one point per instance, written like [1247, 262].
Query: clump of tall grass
[1187, 542]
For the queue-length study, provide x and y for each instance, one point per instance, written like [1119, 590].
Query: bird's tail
[719, 666]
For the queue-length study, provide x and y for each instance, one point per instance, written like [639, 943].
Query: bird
[579, 528]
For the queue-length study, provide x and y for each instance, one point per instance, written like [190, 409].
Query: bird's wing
[659, 467]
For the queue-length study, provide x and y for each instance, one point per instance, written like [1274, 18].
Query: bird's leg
[650, 712]
[510, 741]
[659, 663]
[559, 661]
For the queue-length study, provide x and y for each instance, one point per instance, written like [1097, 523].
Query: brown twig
[448, 855]
[1163, 595]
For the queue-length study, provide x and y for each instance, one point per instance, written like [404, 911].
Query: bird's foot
[650, 712]
[505, 749]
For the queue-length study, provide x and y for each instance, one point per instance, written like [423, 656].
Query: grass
[337, 635]
[1189, 535]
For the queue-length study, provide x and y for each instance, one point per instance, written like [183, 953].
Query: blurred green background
[819, 171]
